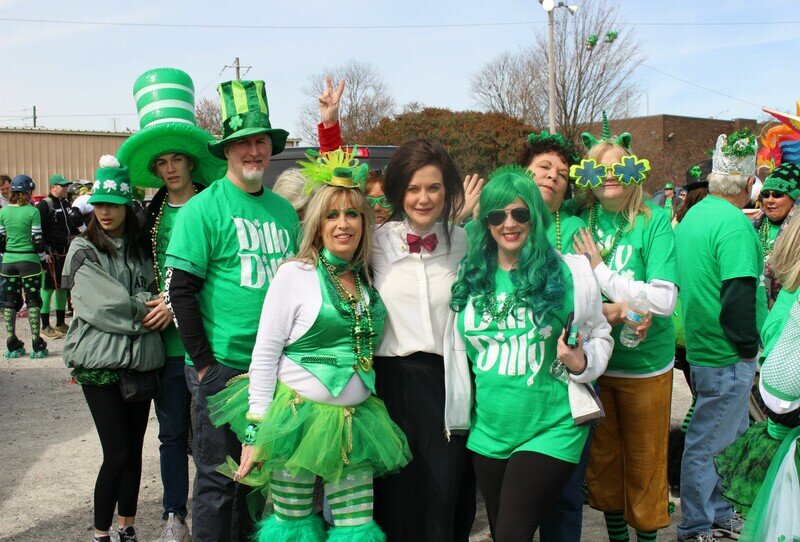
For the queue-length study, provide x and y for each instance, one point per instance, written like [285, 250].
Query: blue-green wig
[538, 278]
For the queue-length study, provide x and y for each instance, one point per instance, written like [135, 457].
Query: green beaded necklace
[605, 253]
[558, 231]
[155, 237]
[763, 234]
[356, 307]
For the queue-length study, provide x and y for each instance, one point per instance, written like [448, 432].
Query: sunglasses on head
[520, 215]
[772, 194]
[383, 201]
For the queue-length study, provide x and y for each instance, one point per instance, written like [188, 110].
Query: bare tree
[366, 100]
[209, 116]
[588, 79]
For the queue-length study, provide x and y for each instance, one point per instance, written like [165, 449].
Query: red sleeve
[330, 139]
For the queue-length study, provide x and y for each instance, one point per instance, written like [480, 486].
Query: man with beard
[226, 245]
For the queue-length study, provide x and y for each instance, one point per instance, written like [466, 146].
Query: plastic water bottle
[638, 310]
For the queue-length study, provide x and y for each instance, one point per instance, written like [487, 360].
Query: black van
[375, 156]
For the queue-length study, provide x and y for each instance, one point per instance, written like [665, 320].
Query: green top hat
[165, 102]
[112, 183]
[244, 111]
[59, 179]
[784, 179]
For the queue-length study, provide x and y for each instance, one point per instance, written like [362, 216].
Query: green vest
[325, 350]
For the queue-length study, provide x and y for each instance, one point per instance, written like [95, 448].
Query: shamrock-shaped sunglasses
[590, 174]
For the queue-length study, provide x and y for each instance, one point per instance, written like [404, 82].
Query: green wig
[538, 278]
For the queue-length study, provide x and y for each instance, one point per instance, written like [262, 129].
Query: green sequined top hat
[245, 112]
[58, 179]
[112, 183]
[735, 154]
[784, 179]
[624, 139]
[165, 102]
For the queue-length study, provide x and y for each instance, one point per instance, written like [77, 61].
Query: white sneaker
[175, 530]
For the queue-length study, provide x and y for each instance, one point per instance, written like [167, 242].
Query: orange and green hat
[245, 112]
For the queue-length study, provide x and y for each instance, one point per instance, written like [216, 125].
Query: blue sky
[67, 69]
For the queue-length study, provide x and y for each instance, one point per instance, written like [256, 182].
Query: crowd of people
[363, 350]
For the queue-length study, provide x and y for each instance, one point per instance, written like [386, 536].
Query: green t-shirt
[645, 252]
[235, 242]
[173, 345]
[715, 242]
[18, 220]
[569, 228]
[776, 320]
[519, 405]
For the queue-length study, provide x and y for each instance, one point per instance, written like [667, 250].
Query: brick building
[673, 143]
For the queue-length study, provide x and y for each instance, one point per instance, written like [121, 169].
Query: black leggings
[519, 491]
[121, 427]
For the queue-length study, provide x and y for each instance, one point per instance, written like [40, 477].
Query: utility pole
[238, 67]
[34, 116]
[549, 6]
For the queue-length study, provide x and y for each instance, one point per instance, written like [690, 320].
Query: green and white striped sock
[616, 526]
[291, 495]
[351, 499]
[646, 536]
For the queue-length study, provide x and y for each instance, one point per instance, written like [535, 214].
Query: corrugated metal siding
[40, 153]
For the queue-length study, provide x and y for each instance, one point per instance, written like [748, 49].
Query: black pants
[219, 505]
[432, 499]
[519, 491]
[121, 427]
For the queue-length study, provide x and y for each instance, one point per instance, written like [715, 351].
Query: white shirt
[415, 288]
[291, 307]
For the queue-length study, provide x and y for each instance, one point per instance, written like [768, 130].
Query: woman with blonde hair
[631, 247]
[309, 408]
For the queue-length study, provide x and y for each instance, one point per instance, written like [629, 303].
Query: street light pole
[551, 72]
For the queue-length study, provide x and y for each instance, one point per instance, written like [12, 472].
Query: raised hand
[329, 102]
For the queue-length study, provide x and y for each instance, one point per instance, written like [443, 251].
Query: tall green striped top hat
[245, 112]
[165, 102]
[112, 183]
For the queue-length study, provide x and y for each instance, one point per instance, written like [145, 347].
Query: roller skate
[16, 348]
[39, 348]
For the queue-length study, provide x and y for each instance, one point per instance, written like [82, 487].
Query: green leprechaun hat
[112, 183]
[245, 112]
[165, 102]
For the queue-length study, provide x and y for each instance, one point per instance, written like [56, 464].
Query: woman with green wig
[517, 306]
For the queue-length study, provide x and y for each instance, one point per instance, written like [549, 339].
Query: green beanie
[785, 179]
[112, 183]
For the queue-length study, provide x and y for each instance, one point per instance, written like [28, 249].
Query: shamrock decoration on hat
[165, 102]
[735, 154]
[784, 179]
[245, 112]
[112, 183]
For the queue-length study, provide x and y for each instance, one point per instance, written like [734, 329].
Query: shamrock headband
[590, 141]
[334, 168]
[590, 174]
[558, 140]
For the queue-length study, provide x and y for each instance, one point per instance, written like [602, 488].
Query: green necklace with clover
[359, 313]
[606, 252]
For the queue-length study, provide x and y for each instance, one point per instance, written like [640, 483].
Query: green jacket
[108, 297]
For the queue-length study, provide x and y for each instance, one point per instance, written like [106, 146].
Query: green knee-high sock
[33, 319]
[646, 536]
[10, 317]
[351, 499]
[61, 300]
[292, 496]
[616, 526]
[47, 295]
[689, 414]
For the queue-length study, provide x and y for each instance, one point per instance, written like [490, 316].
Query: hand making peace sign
[329, 102]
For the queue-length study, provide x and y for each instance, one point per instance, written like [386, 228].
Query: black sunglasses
[772, 194]
[520, 215]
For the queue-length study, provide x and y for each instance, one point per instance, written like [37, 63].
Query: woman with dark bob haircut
[415, 258]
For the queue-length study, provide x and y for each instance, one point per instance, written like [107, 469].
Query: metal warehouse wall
[41, 152]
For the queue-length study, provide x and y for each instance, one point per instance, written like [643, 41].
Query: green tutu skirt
[302, 436]
[743, 466]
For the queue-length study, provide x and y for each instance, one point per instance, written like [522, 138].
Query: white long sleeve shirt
[291, 307]
[415, 288]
